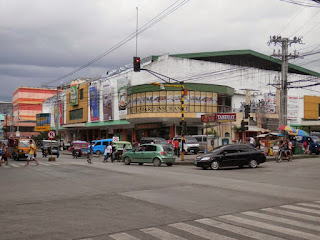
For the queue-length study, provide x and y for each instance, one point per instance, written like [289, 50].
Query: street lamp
[182, 123]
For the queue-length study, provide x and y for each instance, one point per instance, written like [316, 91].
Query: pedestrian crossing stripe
[272, 221]
[18, 165]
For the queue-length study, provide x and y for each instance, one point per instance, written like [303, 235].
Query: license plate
[191, 150]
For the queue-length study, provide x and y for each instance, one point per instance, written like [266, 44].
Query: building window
[76, 114]
[81, 94]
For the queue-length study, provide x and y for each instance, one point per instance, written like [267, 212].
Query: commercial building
[129, 105]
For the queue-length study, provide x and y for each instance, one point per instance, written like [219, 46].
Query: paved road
[71, 199]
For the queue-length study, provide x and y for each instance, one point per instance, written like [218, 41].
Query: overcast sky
[42, 40]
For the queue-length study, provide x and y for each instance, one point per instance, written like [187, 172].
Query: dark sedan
[231, 155]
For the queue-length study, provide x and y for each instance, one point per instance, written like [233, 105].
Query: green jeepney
[117, 149]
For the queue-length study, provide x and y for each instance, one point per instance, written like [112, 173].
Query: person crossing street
[32, 154]
[108, 153]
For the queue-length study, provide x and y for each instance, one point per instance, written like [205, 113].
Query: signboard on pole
[115, 139]
[51, 134]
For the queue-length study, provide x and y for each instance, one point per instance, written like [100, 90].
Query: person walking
[305, 146]
[32, 154]
[5, 154]
[90, 152]
[108, 153]
[176, 147]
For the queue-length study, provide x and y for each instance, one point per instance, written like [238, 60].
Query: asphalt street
[71, 199]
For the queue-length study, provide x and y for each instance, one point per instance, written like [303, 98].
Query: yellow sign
[41, 128]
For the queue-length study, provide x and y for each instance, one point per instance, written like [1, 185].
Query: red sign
[219, 117]
[51, 134]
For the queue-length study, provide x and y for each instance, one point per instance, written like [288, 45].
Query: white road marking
[15, 165]
[123, 236]
[271, 227]
[200, 232]
[308, 210]
[283, 220]
[292, 214]
[309, 205]
[163, 235]
[45, 164]
[238, 230]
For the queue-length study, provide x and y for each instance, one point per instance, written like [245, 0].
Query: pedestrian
[290, 147]
[5, 154]
[305, 146]
[108, 153]
[32, 154]
[252, 142]
[90, 152]
[176, 147]
[124, 149]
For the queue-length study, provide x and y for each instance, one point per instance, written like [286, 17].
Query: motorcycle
[281, 156]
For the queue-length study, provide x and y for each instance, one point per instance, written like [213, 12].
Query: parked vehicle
[100, 145]
[314, 144]
[79, 148]
[155, 140]
[191, 145]
[202, 140]
[231, 155]
[19, 147]
[150, 153]
[46, 148]
[117, 149]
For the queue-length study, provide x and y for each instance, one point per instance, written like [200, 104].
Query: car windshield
[315, 139]
[191, 140]
[24, 143]
[167, 148]
[160, 141]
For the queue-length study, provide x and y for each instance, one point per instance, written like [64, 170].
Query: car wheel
[98, 152]
[140, 163]
[253, 163]
[215, 165]
[156, 162]
[127, 161]
[169, 164]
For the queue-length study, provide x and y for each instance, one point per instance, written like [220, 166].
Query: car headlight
[20, 150]
[205, 158]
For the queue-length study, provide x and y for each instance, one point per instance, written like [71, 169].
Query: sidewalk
[189, 158]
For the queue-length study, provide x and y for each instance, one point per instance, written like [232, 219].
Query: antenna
[137, 33]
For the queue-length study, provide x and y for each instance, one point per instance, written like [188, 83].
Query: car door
[138, 154]
[244, 155]
[229, 156]
[150, 153]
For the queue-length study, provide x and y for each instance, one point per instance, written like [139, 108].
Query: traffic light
[246, 111]
[244, 126]
[136, 64]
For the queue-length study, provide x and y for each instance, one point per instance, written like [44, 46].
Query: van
[100, 145]
[191, 145]
[202, 140]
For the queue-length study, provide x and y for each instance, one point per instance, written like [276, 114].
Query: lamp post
[182, 122]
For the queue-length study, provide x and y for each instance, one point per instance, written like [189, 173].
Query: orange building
[27, 102]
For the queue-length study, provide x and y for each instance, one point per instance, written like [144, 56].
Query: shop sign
[43, 121]
[219, 117]
[94, 105]
[74, 95]
[41, 128]
[148, 126]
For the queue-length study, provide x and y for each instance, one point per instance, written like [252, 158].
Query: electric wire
[146, 26]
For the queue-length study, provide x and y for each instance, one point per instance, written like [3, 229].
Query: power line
[146, 26]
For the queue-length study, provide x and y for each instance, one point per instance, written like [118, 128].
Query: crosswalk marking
[271, 227]
[123, 236]
[45, 164]
[200, 232]
[163, 235]
[301, 209]
[292, 214]
[238, 230]
[15, 165]
[282, 220]
[309, 205]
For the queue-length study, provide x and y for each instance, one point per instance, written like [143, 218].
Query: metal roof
[247, 58]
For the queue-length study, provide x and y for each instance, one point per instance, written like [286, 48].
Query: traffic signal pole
[182, 121]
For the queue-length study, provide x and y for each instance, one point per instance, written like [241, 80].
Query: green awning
[108, 123]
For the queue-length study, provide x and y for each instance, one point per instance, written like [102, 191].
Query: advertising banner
[270, 100]
[219, 117]
[293, 109]
[61, 113]
[94, 105]
[107, 101]
[74, 95]
[122, 97]
[43, 121]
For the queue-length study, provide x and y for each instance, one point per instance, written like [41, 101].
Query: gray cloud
[41, 40]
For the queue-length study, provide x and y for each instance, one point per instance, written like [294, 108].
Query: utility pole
[284, 56]
[58, 111]
[182, 120]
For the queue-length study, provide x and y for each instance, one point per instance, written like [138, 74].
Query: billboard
[74, 95]
[122, 84]
[219, 117]
[43, 121]
[107, 100]
[94, 105]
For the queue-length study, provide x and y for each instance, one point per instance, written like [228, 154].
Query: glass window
[98, 144]
[24, 144]
[105, 143]
[81, 94]
[151, 148]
